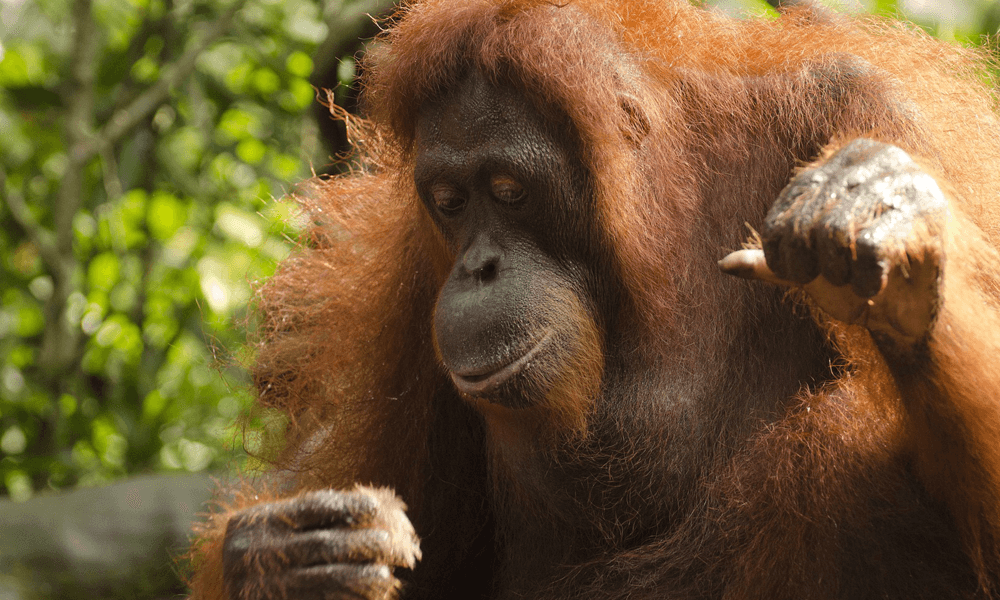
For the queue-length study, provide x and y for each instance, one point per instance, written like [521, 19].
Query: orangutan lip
[476, 383]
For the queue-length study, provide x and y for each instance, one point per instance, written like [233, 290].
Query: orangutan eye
[506, 189]
[447, 199]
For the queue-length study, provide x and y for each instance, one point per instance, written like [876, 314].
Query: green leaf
[18, 485]
[237, 124]
[299, 96]
[165, 215]
[305, 24]
[184, 148]
[251, 151]
[13, 441]
[299, 64]
[153, 405]
[886, 7]
[285, 167]
[346, 71]
[83, 456]
[102, 273]
[194, 456]
[266, 81]
[67, 405]
[145, 70]
[21, 356]
[23, 65]
[30, 321]
[238, 78]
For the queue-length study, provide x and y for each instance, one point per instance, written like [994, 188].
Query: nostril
[481, 261]
[487, 273]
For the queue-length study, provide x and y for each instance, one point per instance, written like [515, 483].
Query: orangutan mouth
[483, 381]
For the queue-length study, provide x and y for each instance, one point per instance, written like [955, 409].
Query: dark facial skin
[513, 206]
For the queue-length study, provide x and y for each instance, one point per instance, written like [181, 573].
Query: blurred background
[144, 149]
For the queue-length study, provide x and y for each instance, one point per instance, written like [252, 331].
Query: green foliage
[124, 274]
[965, 21]
[175, 219]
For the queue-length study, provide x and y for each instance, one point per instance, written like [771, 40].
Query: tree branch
[109, 170]
[38, 235]
[60, 340]
[126, 118]
[79, 97]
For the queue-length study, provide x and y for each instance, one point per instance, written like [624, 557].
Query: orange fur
[808, 467]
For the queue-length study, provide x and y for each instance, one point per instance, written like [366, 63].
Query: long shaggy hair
[661, 97]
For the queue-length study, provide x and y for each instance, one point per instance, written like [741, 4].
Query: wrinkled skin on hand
[862, 234]
[321, 545]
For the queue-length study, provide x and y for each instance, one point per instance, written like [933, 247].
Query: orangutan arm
[874, 241]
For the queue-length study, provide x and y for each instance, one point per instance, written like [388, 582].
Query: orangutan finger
[750, 264]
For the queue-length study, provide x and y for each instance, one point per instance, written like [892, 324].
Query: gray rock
[118, 541]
